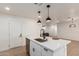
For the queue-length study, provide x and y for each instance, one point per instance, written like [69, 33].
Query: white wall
[4, 35]
[31, 28]
[68, 33]
[4, 29]
[52, 29]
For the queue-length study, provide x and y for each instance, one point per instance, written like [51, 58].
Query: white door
[15, 30]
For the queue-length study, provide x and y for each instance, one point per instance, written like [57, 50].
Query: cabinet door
[46, 52]
[61, 51]
[35, 49]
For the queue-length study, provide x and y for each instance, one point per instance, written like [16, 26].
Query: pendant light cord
[48, 6]
[39, 13]
[72, 20]
[48, 12]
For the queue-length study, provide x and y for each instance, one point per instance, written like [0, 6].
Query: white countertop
[52, 44]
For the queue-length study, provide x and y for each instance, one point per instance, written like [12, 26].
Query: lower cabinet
[46, 52]
[37, 50]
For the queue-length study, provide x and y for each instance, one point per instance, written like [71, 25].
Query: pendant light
[39, 17]
[72, 25]
[48, 19]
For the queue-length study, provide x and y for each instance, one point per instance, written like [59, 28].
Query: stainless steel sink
[40, 40]
[55, 38]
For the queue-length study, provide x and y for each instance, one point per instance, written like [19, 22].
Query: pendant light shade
[48, 19]
[38, 21]
[39, 17]
[72, 25]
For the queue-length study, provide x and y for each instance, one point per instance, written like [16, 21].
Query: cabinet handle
[45, 49]
[33, 49]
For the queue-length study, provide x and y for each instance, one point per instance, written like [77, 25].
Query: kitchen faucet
[43, 34]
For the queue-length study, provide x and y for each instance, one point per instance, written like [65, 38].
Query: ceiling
[58, 11]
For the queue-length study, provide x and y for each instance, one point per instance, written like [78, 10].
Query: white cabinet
[37, 50]
[46, 52]
[62, 51]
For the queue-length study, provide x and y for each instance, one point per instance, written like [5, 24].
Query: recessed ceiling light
[7, 8]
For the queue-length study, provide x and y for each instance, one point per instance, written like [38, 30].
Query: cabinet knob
[33, 49]
[45, 49]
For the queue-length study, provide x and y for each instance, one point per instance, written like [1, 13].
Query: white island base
[49, 48]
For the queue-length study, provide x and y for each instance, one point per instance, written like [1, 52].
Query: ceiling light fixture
[7, 8]
[48, 18]
[39, 17]
[72, 25]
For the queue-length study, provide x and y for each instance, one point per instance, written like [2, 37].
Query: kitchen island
[49, 48]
